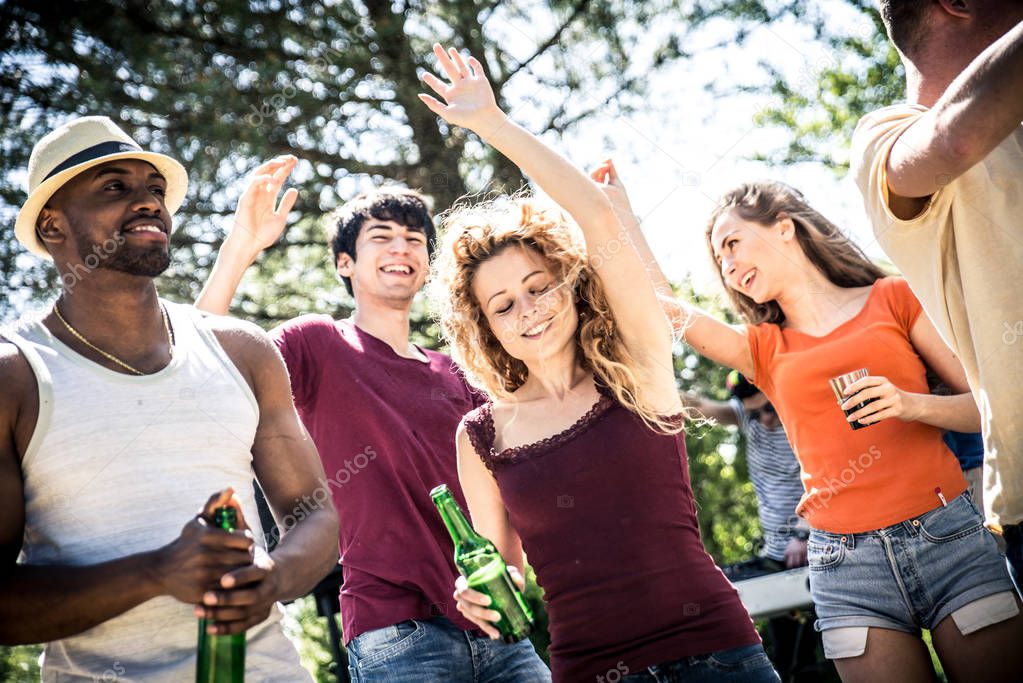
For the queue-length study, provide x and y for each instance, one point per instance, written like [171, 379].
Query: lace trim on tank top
[483, 433]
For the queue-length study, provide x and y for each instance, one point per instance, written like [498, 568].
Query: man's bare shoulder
[226, 327]
[19, 383]
[15, 372]
[245, 343]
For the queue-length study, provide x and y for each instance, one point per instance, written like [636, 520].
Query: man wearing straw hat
[121, 413]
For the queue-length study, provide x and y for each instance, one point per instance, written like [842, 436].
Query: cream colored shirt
[963, 258]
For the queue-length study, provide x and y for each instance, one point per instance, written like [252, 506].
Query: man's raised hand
[260, 220]
[258, 223]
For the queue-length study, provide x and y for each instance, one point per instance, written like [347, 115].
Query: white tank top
[117, 465]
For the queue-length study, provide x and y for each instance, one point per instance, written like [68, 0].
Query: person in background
[968, 448]
[815, 308]
[773, 471]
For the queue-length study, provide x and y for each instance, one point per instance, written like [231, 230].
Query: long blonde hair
[824, 244]
[474, 234]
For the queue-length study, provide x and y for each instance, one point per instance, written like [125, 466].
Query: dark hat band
[89, 153]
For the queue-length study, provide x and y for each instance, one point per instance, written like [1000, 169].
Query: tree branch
[577, 9]
[553, 125]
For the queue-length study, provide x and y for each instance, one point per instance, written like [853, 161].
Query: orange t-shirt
[866, 479]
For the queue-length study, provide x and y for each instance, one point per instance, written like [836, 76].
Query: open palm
[468, 98]
[259, 219]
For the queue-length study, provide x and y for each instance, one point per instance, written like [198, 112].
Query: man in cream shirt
[942, 180]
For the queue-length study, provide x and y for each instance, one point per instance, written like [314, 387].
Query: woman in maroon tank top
[575, 461]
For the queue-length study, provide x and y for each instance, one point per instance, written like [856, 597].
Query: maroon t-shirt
[385, 429]
[606, 516]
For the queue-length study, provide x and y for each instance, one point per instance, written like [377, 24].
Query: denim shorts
[748, 664]
[907, 576]
[414, 651]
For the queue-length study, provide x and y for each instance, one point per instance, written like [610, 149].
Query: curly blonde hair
[473, 234]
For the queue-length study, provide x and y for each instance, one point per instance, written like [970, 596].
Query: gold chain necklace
[109, 356]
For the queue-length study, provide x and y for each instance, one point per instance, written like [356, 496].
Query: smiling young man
[121, 413]
[385, 411]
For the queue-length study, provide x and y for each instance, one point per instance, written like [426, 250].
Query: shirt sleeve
[903, 303]
[872, 143]
[292, 341]
[762, 343]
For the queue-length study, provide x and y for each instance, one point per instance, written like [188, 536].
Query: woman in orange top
[896, 544]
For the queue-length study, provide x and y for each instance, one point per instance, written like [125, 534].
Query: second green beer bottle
[221, 658]
[483, 567]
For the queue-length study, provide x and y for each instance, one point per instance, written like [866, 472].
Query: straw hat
[74, 147]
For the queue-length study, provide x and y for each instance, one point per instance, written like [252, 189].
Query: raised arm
[470, 103]
[712, 338]
[258, 223]
[978, 110]
[288, 469]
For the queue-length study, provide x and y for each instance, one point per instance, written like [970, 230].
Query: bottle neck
[458, 526]
[226, 518]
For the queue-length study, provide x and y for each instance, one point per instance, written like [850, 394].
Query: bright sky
[675, 166]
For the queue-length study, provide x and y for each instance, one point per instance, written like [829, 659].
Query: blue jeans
[747, 664]
[436, 650]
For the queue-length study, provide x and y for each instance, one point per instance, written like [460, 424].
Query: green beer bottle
[479, 562]
[221, 658]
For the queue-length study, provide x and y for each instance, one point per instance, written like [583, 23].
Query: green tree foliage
[308, 631]
[850, 70]
[20, 664]
[224, 84]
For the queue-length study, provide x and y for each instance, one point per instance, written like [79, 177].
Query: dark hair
[906, 22]
[405, 207]
[739, 387]
[826, 247]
